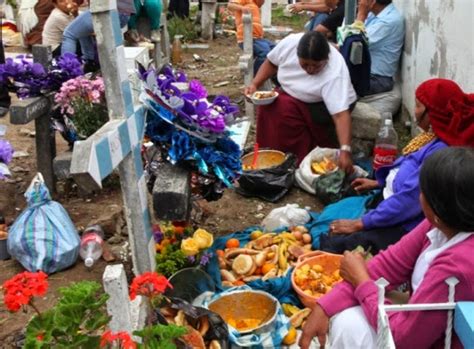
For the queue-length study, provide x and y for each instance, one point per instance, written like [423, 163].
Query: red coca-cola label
[91, 238]
[384, 157]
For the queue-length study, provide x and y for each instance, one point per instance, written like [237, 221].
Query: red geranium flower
[149, 284]
[122, 339]
[19, 290]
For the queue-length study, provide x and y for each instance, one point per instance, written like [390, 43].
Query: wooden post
[39, 109]
[208, 17]
[266, 13]
[118, 142]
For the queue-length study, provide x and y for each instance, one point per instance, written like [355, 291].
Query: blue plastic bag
[43, 236]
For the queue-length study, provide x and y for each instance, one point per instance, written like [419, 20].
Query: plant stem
[35, 308]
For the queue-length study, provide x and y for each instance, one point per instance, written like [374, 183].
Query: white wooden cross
[118, 143]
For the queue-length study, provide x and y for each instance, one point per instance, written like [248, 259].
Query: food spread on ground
[324, 166]
[266, 256]
[264, 94]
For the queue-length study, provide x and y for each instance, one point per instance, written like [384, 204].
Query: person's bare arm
[363, 10]
[343, 124]
[232, 6]
[317, 6]
[266, 71]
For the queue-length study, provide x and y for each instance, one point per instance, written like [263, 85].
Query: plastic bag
[286, 216]
[269, 184]
[334, 186]
[306, 178]
[304, 175]
[43, 236]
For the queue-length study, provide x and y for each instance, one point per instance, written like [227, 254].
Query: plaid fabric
[273, 336]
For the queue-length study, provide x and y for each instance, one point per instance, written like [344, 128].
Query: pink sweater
[411, 329]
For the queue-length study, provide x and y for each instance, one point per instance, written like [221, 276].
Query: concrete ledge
[365, 121]
[62, 165]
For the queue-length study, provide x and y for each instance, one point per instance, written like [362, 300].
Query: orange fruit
[220, 253]
[267, 267]
[238, 283]
[232, 243]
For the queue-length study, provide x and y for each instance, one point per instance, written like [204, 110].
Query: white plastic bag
[304, 175]
[287, 216]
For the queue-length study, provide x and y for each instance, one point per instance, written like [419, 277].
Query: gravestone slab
[172, 193]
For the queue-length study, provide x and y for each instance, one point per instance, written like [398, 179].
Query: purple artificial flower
[198, 89]
[206, 256]
[158, 235]
[191, 259]
[6, 152]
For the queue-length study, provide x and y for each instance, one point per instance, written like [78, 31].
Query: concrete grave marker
[118, 143]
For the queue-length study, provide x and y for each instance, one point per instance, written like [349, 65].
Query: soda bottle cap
[89, 262]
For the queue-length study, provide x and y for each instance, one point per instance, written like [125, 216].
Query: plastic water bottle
[386, 145]
[91, 245]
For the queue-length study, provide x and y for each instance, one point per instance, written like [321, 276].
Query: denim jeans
[379, 84]
[315, 21]
[261, 47]
[81, 30]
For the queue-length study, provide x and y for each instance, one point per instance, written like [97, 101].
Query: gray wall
[439, 42]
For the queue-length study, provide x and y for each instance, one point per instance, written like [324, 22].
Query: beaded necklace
[418, 142]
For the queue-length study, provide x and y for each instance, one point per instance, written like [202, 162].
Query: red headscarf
[450, 110]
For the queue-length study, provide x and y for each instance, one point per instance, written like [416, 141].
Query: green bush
[182, 26]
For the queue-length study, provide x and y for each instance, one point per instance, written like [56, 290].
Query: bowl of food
[264, 97]
[265, 159]
[247, 311]
[315, 274]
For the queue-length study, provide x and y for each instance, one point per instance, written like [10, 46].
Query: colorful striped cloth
[43, 236]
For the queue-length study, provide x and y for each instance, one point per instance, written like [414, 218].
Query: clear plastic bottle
[92, 242]
[386, 145]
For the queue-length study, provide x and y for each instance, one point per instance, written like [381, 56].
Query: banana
[290, 309]
[282, 256]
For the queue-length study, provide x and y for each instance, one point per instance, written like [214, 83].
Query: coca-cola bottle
[92, 242]
[385, 151]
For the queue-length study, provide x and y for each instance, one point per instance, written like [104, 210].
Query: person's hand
[354, 269]
[346, 226]
[345, 162]
[364, 184]
[250, 90]
[295, 8]
[317, 325]
[246, 9]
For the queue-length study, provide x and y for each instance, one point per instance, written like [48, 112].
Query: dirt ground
[217, 67]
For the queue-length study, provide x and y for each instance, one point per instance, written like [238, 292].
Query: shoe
[155, 35]
[3, 111]
[134, 36]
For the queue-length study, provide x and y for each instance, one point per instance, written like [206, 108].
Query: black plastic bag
[334, 186]
[269, 184]
[217, 327]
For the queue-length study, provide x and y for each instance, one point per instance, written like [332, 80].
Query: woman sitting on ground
[446, 114]
[438, 248]
[314, 101]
